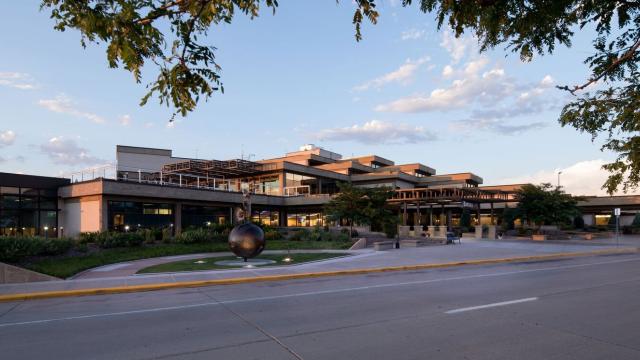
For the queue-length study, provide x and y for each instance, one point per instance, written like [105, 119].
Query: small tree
[362, 205]
[465, 219]
[509, 216]
[544, 205]
[350, 204]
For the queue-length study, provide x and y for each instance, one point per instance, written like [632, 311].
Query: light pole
[559, 172]
[46, 232]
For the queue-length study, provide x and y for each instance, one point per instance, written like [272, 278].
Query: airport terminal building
[150, 188]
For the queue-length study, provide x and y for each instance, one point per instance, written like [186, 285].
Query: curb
[246, 280]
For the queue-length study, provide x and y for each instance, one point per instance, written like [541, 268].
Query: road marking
[310, 293]
[502, 303]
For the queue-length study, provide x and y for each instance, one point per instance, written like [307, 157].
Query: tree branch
[628, 54]
[159, 12]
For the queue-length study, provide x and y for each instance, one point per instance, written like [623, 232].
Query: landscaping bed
[66, 257]
[210, 263]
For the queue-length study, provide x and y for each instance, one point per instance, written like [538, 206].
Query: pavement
[123, 275]
[580, 308]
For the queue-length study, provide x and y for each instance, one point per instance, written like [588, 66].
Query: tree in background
[544, 205]
[465, 219]
[360, 205]
[377, 211]
[350, 204]
[509, 216]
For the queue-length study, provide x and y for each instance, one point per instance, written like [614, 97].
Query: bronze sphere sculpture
[247, 240]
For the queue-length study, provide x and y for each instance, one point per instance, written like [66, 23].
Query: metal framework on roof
[214, 168]
[448, 195]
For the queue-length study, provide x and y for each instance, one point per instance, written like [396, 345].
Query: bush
[578, 222]
[108, 240]
[88, 237]
[390, 229]
[193, 237]
[15, 249]
[318, 235]
[272, 235]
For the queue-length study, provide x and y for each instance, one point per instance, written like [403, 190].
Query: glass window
[202, 216]
[139, 215]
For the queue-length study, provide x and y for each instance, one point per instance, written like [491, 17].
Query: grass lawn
[66, 266]
[209, 263]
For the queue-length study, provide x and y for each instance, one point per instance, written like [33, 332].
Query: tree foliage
[544, 205]
[166, 33]
[360, 205]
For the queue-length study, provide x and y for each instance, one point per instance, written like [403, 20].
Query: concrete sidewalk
[361, 259]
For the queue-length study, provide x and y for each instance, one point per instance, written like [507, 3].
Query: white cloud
[413, 34]
[447, 71]
[125, 120]
[377, 132]
[495, 125]
[459, 47]
[67, 152]
[17, 80]
[582, 178]
[7, 138]
[64, 105]
[489, 87]
[547, 81]
[403, 75]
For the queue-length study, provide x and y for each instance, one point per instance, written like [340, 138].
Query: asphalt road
[586, 308]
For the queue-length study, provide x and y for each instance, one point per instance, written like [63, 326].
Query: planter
[538, 237]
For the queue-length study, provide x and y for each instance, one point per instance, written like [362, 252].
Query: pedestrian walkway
[111, 275]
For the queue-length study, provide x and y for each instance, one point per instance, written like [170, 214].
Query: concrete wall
[82, 215]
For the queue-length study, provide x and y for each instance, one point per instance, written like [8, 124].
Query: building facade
[150, 188]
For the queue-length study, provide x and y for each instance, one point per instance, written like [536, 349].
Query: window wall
[131, 215]
[305, 218]
[28, 211]
[201, 216]
[267, 216]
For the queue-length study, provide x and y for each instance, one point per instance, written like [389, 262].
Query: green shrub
[193, 237]
[108, 240]
[15, 249]
[88, 237]
[148, 235]
[272, 235]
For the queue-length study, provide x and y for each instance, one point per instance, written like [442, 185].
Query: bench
[383, 245]
[413, 243]
[452, 237]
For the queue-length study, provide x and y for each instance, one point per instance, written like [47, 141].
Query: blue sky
[407, 92]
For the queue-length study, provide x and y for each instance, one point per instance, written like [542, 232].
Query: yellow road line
[245, 280]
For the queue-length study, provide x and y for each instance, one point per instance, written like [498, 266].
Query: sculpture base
[240, 263]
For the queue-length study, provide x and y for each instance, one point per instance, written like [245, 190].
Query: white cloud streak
[17, 80]
[64, 105]
[413, 34]
[403, 75]
[64, 151]
[378, 132]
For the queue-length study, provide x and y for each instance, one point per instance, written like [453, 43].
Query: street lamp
[559, 172]
[46, 232]
[126, 228]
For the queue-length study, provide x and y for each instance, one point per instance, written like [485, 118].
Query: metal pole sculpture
[246, 240]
